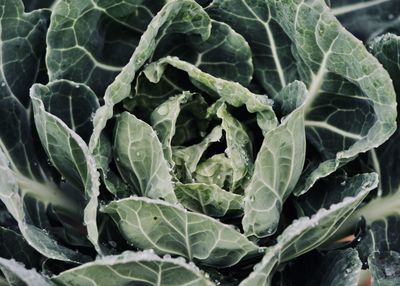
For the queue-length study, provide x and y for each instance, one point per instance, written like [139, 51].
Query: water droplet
[167, 256]
[3, 84]
[112, 243]
[390, 16]
[77, 86]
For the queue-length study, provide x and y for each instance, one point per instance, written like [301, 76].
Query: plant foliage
[183, 142]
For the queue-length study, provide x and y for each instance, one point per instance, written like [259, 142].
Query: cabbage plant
[182, 142]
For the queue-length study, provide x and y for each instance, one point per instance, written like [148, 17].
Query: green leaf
[271, 48]
[187, 158]
[335, 268]
[182, 16]
[170, 229]
[239, 147]
[229, 92]
[142, 268]
[140, 160]
[278, 166]
[215, 170]
[163, 120]
[103, 155]
[381, 212]
[22, 196]
[14, 246]
[73, 103]
[291, 96]
[225, 54]
[351, 97]
[91, 41]
[69, 154]
[20, 53]
[209, 199]
[307, 233]
[368, 19]
[17, 275]
[385, 268]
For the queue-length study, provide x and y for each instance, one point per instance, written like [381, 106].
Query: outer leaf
[273, 61]
[17, 192]
[17, 275]
[184, 16]
[381, 213]
[14, 246]
[73, 103]
[308, 233]
[142, 268]
[140, 159]
[210, 200]
[170, 229]
[163, 120]
[336, 268]
[225, 54]
[229, 92]
[70, 155]
[277, 168]
[385, 268]
[90, 41]
[374, 17]
[351, 97]
[20, 53]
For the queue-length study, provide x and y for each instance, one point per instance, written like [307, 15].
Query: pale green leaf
[307, 233]
[140, 159]
[170, 229]
[209, 199]
[183, 16]
[229, 92]
[17, 275]
[278, 166]
[129, 268]
[70, 155]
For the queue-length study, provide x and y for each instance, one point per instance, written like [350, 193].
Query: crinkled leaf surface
[351, 103]
[271, 48]
[278, 166]
[89, 41]
[308, 233]
[229, 92]
[22, 47]
[175, 17]
[169, 228]
[140, 159]
[381, 212]
[141, 268]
